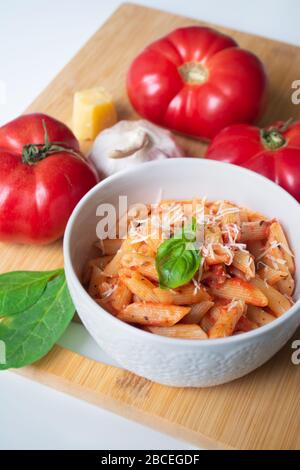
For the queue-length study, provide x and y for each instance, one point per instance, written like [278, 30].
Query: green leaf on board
[20, 290]
[31, 334]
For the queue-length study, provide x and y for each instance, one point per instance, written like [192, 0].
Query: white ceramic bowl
[180, 362]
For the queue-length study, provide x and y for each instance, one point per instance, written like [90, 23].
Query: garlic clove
[130, 143]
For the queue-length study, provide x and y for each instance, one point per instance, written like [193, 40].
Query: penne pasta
[207, 322]
[107, 306]
[144, 264]
[215, 275]
[212, 234]
[277, 235]
[144, 249]
[244, 261]
[153, 243]
[255, 247]
[187, 295]
[121, 297]
[229, 214]
[254, 216]
[99, 262]
[271, 275]
[286, 286]
[153, 314]
[96, 279]
[277, 302]
[108, 246]
[238, 276]
[227, 320]
[217, 254]
[197, 312]
[179, 331]
[245, 324]
[238, 289]
[113, 267]
[259, 316]
[211, 317]
[138, 285]
[258, 230]
[237, 273]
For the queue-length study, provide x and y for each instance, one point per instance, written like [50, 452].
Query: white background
[37, 38]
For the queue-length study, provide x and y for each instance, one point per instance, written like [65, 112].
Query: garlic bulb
[129, 143]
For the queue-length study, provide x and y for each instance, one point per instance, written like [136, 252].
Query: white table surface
[37, 38]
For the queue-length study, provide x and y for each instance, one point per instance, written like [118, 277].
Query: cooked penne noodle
[254, 216]
[227, 320]
[259, 316]
[243, 261]
[237, 273]
[153, 244]
[107, 306]
[212, 234]
[165, 296]
[211, 317]
[144, 249]
[245, 324]
[277, 235]
[153, 314]
[214, 275]
[258, 230]
[286, 286]
[95, 281]
[238, 276]
[229, 214]
[187, 295]
[255, 247]
[207, 322]
[197, 312]
[138, 285]
[277, 302]
[244, 216]
[99, 262]
[272, 276]
[121, 296]
[149, 271]
[273, 258]
[238, 289]
[108, 246]
[144, 264]
[113, 267]
[179, 331]
[217, 254]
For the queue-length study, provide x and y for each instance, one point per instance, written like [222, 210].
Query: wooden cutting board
[260, 411]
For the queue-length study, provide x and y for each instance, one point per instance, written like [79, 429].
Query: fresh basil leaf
[177, 261]
[31, 334]
[21, 289]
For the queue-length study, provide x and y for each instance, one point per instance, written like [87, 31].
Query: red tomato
[196, 81]
[273, 152]
[40, 181]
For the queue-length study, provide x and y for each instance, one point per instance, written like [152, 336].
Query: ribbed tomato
[273, 152]
[196, 81]
[42, 177]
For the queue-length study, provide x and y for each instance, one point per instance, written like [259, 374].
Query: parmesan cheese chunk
[93, 111]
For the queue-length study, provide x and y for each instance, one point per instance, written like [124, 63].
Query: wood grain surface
[260, 411]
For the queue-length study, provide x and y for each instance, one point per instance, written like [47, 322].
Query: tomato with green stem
[273, 152]
[43, 175]
[196, 81]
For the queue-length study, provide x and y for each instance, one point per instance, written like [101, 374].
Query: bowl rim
[74, 279]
